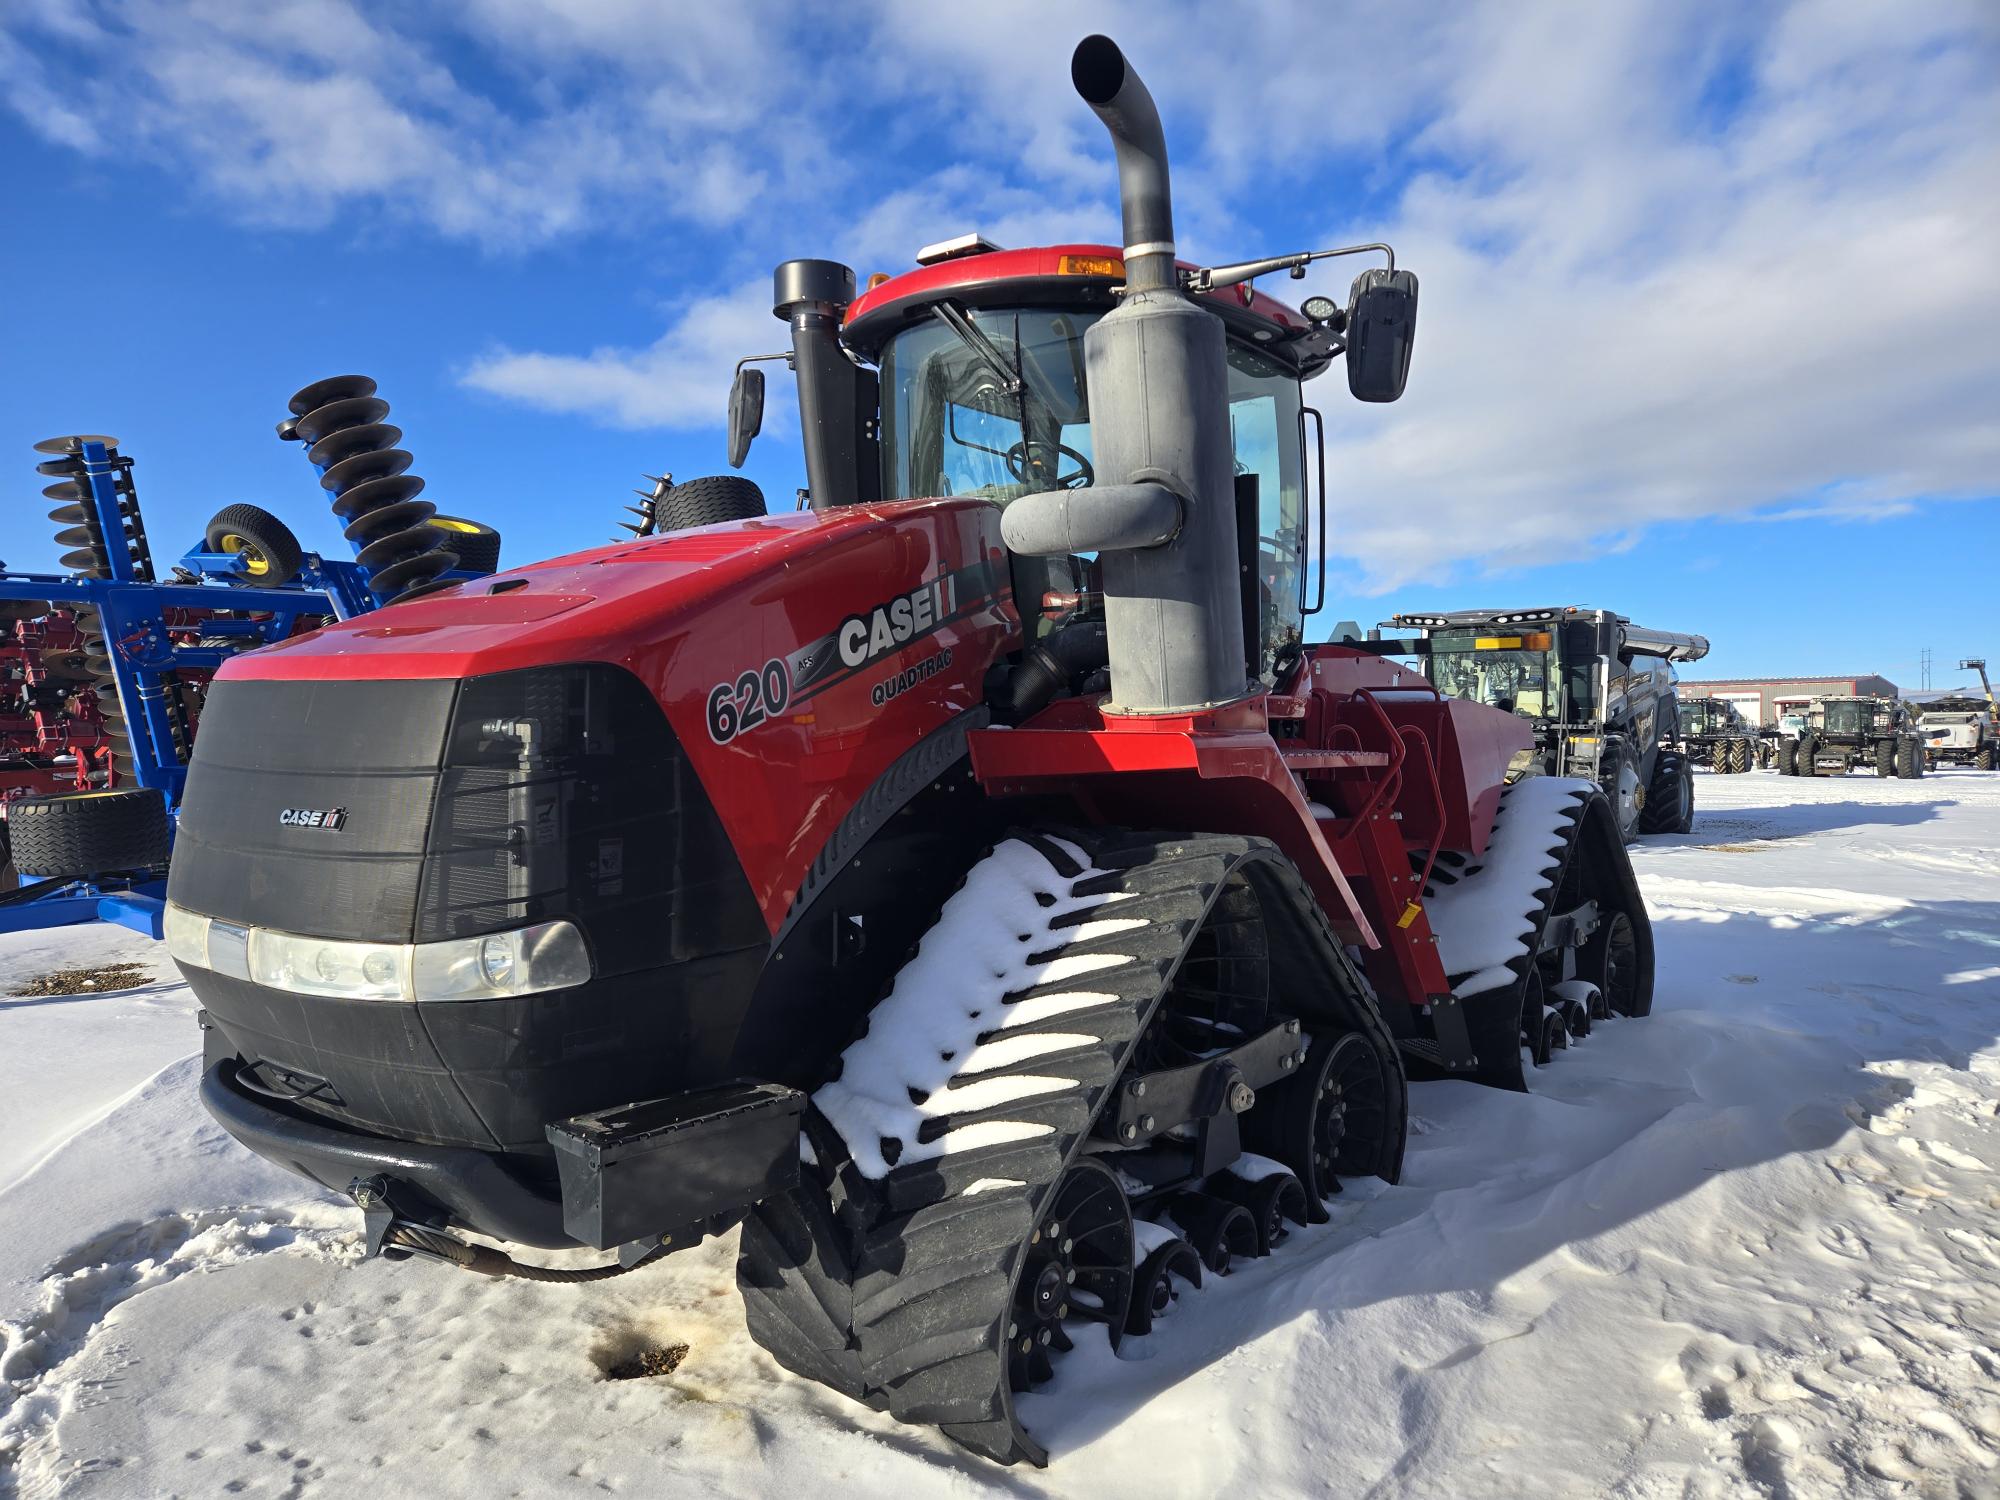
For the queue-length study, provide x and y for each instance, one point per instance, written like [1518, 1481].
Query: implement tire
[271, 553]
[80, 834]
[707, 501]
[475, 544]
[1982, 758]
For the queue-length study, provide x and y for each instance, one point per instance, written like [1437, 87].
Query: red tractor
[972, 885]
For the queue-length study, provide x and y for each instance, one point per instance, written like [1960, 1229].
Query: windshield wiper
[954, 318]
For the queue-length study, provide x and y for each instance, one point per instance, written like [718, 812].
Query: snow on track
[1486, 916]
[922, 1056]
[1747, 1247]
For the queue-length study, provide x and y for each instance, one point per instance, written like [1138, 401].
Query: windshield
[1701, 716]
[1849, 717]
[952, 426]
[1518, 673]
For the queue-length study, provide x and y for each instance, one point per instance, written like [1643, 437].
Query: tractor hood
[601, 605]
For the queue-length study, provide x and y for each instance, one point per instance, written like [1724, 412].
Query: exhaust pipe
[1162, 514]
[1115, 94]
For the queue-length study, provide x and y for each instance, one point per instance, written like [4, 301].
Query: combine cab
[1715, 734]
[1597, 690]
[971, 886]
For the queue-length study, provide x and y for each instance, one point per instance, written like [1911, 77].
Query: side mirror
[1381, 328]
[746, 412]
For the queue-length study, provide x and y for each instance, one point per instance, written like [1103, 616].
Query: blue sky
[1710, 307]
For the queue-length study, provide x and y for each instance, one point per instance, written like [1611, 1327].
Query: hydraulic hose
[485, 1261]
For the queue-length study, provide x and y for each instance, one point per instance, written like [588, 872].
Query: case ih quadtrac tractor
[970, 886]
[1598, 690]
[1842, 733]
[1715, 734]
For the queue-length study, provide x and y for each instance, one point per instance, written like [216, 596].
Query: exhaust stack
[1162, 515]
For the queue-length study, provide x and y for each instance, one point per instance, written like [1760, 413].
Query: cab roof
[1081, 275]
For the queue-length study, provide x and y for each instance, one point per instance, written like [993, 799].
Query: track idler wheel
[1542, 1029]
[1153, 1291]
[1610, 960]
[1218, 1229]
[1272, 1200]
[1078, 1264]
[1325, 1121]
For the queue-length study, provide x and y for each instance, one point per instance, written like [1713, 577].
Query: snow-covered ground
[1747, 1246]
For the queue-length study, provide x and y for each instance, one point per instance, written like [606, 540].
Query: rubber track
[1486, 1012]
[898, 1289]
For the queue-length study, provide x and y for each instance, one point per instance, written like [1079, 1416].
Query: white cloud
[679, 381]
[1678, 260]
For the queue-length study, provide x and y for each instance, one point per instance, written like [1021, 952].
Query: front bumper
[678, 1166]
[472, 1188]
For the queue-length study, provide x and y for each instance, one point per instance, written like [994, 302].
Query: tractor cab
[969, 380]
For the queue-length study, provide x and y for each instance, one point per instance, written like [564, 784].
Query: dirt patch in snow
[633, 1355]
[86, 981]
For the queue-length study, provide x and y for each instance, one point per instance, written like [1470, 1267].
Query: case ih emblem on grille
[329, 818]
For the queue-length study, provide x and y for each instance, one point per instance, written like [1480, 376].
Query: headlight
[547, 956]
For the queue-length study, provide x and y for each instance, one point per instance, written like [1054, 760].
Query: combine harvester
[970, 885]
[1598, 690]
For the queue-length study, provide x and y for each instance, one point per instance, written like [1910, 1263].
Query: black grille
[369, 749]
[466, 808]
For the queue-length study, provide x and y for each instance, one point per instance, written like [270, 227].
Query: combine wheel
[1153, 1291]
[1982, 758]
[1885, 758]
[948, 1198]
[1669, 806]
[1909, 758]
[1787, 757]
[1803, 755]
[271, 555]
